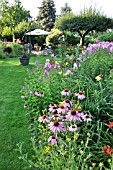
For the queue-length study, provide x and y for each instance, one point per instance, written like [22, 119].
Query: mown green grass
[13, 120]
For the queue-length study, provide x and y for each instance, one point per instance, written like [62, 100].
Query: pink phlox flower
[47, 65]
[73, 128]
[69, 72]
[65, 92]
[53, 139]
[75, 66]
[80, 95]
[87, 118]
[56, 126]
[67, 103]
[44, 118]
[73, 116]
[61, 109]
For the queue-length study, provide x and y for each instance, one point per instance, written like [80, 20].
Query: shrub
[108, 36]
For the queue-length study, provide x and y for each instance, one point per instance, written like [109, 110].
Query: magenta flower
[80, 95]
[56, 126]
[44, 118]
[73, 116]
[61, 109]
[73, 128]
[87, 118]
[80, 113]
[67, 103]
[65, 92]
[53, 140]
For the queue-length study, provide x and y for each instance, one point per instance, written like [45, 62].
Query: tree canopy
[66, 9]
[46, 16]
[83, 24]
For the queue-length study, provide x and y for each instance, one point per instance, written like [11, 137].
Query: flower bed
[70, 108]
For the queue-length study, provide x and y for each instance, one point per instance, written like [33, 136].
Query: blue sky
[106, 6]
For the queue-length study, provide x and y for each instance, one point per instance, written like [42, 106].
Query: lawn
[13, 122]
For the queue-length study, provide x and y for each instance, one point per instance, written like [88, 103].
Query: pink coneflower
[37, 93]
[69, 72]
[64, 119]
[67, 103]
[31, 92]
[56, 126]
[80, 95]
[87, 118]
[73, 116]
[53, 140]
[73, 128]
[80, 113]
[61, 109]
[67, 55]
[25, 105]
[65, 92]
[44, 118]
[51, 105]
[56, 117]
[53, 109]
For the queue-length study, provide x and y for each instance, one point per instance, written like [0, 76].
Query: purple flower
[73, 116]
[31, 92]
[68, 72]
[56, 117]
[47, 65]
[46, 73]
[56, 126]
[67, 55]
[73, 128]
[53, 140]
[25, 105]
[53, 109]
[65, 92]
[44, 118]
[80, 113]
[80, 95]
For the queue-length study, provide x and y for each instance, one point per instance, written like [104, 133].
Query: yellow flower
[79, 107]
[109, 160]
[47, 149]
[81, 152]
[66, 63]
[68, 139]
[82, 142]
[98, 78]
[75, 105]
[60, 72]
[75, 136]
[56, 62]
[60, 104]
[100, 164]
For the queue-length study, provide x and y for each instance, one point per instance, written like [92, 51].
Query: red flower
[110, 124]
[107, 150]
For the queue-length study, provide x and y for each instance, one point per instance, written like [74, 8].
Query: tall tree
[46, 16]
[66, 9]
[84, 23]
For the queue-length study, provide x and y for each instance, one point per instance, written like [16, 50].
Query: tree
[84, 23]
[46, 16]
[66, 9]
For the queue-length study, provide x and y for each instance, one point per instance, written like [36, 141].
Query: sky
[105, 6]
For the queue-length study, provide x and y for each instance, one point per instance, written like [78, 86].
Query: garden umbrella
[38, 32]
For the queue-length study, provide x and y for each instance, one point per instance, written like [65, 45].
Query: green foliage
[46, 16]
[7, 33]
[106, 36]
